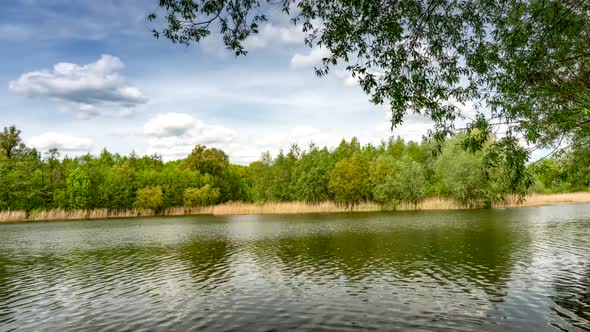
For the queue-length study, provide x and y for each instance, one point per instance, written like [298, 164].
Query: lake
[525, 269]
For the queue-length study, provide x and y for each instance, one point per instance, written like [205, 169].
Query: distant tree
[207, 160]
[118, 188]
[382, 173]
[408, 182]
[349, 181]
[261, 178]
[149, 198]
[203, 196]
[463, 176]
[394, 181]
[348, 149]
[549, 174]
[312, 175]
[283, 172]
[78, 190]
[231, 185]
[11, 142]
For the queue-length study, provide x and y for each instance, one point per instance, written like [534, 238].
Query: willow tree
[524, 64]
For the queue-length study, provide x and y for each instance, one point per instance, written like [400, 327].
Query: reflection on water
[514, 269]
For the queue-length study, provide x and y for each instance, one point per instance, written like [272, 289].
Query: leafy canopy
[523, 63]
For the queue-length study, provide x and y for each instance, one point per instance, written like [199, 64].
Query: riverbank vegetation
[393, 175]
[295, 207]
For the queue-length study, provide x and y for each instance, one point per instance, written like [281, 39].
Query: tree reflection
[475, 250]
[207, 260]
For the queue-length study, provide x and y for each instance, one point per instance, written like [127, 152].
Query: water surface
[522, 269]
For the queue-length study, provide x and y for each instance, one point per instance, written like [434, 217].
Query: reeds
[88, 214]
[432, 203]
[12, 216]
[545, 199]
[239, 208]
[289, 208]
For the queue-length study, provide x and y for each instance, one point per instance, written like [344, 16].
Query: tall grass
[238, 208]
[545, 199]
[11, 216]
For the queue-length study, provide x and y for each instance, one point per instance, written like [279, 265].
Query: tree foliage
[349, 180]
[11, 143]
[390, 173]
[31, 181]
[78, 190]
[149, 198]
[523, 64]
[207, 160]
[200, 196]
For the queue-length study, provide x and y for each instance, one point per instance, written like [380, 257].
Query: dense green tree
[382, 171]
[409, 181]
[312, 175]
[207, 160]
[349, 180]
[260, 177]
[149, 198]
[78, 188]
[203, 196]
[462, 176]
[394, 181]
[118, 189]
[389, 173]
[10, 142]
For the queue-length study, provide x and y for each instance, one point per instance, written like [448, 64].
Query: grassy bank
[433, 203]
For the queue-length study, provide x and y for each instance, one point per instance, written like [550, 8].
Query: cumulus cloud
[174, 135]
[88, 90]
[314, 57]
[272, 35]
[62, 142]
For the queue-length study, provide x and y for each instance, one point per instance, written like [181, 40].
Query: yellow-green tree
[78, 190]
[349, 180]
[205, 195]
[149, 198]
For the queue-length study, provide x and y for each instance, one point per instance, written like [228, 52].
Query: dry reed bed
[546, 199]
[433, 203]
[11, 216]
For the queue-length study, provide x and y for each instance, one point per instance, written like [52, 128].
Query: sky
[81, 76]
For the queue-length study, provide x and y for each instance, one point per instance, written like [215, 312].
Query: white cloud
[62, 142]
[413, 128]
[346, 77]
[170, 124]
[174, 135]
[314, 57]
[86, 90]
[272, 35]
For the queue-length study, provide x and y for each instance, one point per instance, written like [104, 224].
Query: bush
[206, 195]
[149, 198]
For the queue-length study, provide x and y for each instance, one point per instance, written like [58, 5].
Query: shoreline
[238, 208]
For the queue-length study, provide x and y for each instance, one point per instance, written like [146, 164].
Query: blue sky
[84, 75]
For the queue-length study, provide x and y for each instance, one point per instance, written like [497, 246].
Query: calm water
[514, 269]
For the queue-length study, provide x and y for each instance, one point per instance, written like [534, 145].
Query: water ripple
[509, 270]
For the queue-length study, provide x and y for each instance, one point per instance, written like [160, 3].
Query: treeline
[30, 180]
[395, 171]
[392, 172]
[568, 171]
